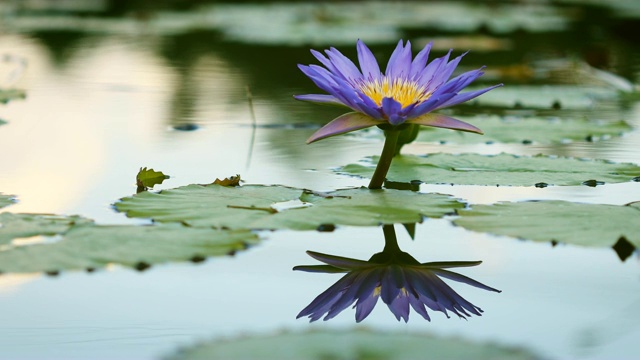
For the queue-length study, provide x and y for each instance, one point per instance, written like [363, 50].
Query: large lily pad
[502, 169]
[519, 130]
[14, 226]
[561, 221]
[277, 207]
[573, 97]
[349, 344]
[6, 200]
[90, 246]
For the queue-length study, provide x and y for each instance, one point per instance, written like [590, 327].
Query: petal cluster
[407, 92]
[400, 284]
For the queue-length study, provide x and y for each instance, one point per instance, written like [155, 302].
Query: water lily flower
[396, 277]
[407, 93]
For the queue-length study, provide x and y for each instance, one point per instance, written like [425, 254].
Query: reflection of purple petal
[400, 306]
[328, 269]
[463, 279]
[343, 124]
[418, 306]
[442, 121]
[339, 261]
[449, 264]
[390, 289]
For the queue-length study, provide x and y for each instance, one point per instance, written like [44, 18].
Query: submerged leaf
[255, 207]
[502, 169]
[349, 344]
[92, 246]
[6, 200]
[148, 178]
[559, 221]
[7, 95]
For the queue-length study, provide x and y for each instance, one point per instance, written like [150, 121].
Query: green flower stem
[388, 151]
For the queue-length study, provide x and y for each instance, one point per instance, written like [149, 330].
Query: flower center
[404, 91]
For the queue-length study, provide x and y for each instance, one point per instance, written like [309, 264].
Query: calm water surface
[99, 107]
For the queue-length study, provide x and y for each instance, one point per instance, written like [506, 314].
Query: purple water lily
[407, 93]
[396, 277]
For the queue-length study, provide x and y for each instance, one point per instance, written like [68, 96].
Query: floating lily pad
[26, 225]
[7, 95]
[560, 221]
[91, 247]
[6, 200]
[572, 97]
[502, 169]
[349, 344]
[519, 130]
[257, 207]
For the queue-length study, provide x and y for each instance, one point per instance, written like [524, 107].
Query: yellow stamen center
[404, 91]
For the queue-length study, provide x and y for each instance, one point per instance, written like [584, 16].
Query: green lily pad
[278, 207]
[502, 169]
[571, 97]
[7, 95]
[92, 246]
[348, 344]
[14, 226]
[2, 122]
[561, 221]
[518, 130]
[6, 200]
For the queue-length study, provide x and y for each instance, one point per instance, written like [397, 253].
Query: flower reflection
[396, 277]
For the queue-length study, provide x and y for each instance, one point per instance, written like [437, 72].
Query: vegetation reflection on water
[102, 96]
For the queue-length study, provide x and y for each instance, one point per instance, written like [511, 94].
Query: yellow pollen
[404, 91]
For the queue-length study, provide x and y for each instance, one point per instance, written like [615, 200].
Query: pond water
[167, 89]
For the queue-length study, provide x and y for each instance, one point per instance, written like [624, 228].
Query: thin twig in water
[253, 125]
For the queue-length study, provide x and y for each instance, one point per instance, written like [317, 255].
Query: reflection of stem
[253, 125]
[390, 239]
[388, 151]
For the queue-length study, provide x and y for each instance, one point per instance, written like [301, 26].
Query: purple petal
[442, 76]
[319, 98]
[325, 61]
[420, 61]
[343, 124]
[392, 109]
[427, 76]
[340, 262]
[394, 55]
[442, 121]
[399, 65]
[460, 98]
[368, 63]
[429, 105]
[365, 307]
[461, 81]
[343, 65]
[463, 279]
